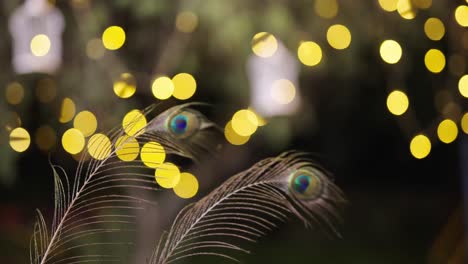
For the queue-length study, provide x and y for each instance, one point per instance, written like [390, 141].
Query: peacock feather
[94, 205]
[249, 205]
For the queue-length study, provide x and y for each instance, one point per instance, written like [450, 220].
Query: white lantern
[274, 83]
[36, 28]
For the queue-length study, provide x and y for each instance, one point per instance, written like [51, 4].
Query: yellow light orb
[388, 5]
[434, 60]
[420, 146]
[390, 51]
[152, 154]
[134, 122]
[187, 186]
[40, 45]
[162, 87]
[127, 148]
[167, 175]
[461, 15]
[184, 86]
[95, 49]
[45, 138]
[125, 86]
[434, 28]
[19, 139]
[113, 37]
[282, 91]
[67, 110]
[186, 21]
[464, 123]
[232, 137]
[463, 85]
[46, 90]
[326, 8]
[244, 122]
[339, 36]
[73, 141]
[422, 4]
[86, 122]
[309, 53]
[405, 9]
[99, 146]
[397, 102]
[264, 44]
[447, 131]
[14, 93]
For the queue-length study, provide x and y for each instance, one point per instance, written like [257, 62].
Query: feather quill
[94, 204]
[248, 206]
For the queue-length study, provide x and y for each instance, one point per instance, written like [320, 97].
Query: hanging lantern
[36, 28]
[273, 77]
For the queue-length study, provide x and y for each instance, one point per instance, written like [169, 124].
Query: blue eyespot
[301, 183]
[179, 124]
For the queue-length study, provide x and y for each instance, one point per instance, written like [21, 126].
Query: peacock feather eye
[179, 124]
[183, 124]
[305, 184]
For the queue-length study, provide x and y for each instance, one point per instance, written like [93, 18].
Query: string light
[186, 21]
[309, 53]
[19, 139]
[73, 141]
[244, 122]
[405, 9]
[420, 146]
[125, 86]
[282, 91]
[133, 122]
[464, 123]
[99, 146]
[388, 5]
[86, 122]
[152, 154]
[264, 44]
[162, 88]
[397, 102]
[14, 93]
[232, 137]
[113, 37]
[127, 148]
[187, 186]
[339, 36]
[67, 110]
[447, 131]
[463, 85]
[184, 86]
[434, 60]
[40, 45]
[326, 8]
[167, 175]
[390, 51]
[461, 15]
[434, 28]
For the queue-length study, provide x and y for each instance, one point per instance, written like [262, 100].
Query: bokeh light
[162, 87]
[187, 186]
[447, 131]
[339, 36]
[86, 122]
[167, 175]
[73, 141]
[397, 102]
[388, 5]
[46, 90]
[152, 154]
[434, 28]
[95, 49]
[19, 139]
[67, 110]
[390, 51]
[326, 8]
[434, 60]
[461, 15]
[406, 9]
[244, 122]
[113, 37]
[14, 93]
[45, 138]
[40, 45]
[99, 146]
[133, 122]
[127, 148]
[464, 123]
[234, 138]
[422, 4]
[282, 92]
[184, 86]
[463, 85]
[309, 53]
[420, 146]
[264, 44]
[186, 21]
[125, 86]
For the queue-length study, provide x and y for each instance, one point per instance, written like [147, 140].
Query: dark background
[400, 210]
